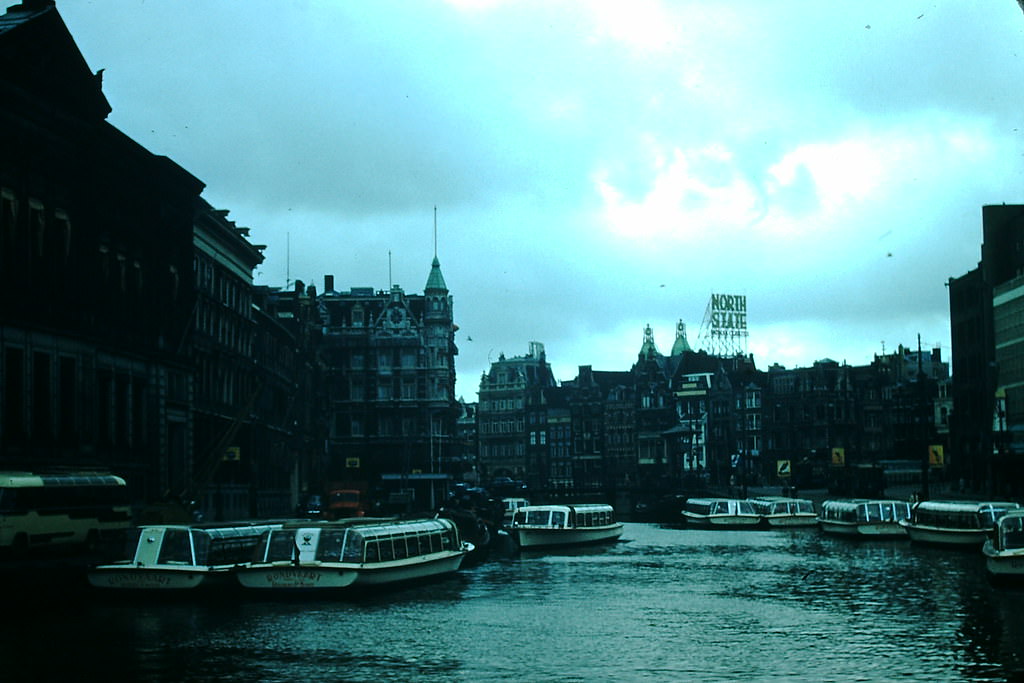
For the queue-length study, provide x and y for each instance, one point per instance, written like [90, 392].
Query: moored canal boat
[864, 518]
[778, 511]
[720, 513]
[961, 523]
[510, 505]
[1004, 550]
[540, 526]
[352, 553]
[174, 557]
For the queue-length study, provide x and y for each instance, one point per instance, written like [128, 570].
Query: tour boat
[179, 557]
[961, 523]
[510, 506]
[539, 526]
[864, 518]
[352, 553]
[777, 511]
[1004, 551]
[720, 513]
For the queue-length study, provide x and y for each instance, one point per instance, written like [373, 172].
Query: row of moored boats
[305, 555]
[996, 527]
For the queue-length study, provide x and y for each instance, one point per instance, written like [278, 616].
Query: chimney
[328, 284]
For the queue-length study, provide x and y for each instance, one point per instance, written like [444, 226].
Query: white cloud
[694, 193]
[644, 25]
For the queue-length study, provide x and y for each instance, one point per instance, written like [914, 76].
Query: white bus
[42, 510]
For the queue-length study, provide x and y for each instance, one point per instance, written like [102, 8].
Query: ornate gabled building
[390, 380]
[655, 413]
[514, 418]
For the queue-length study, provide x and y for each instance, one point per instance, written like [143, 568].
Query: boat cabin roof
[860, 502]
[576, 507]
[780, 499]
[704, 501]
[380, 528]
[215, 530]
[965, 505]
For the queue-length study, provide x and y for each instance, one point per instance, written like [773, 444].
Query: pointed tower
[439, 347]
[681, 345]
[649, 351]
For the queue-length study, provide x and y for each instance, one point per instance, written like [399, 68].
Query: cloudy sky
[596, 166]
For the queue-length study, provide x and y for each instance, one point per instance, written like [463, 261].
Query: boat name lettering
[138, 580]
[293, 577]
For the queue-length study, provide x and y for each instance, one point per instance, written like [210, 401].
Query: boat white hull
[866, 530]
[151, 579]
[1006, 564]
[379, 575]
[953, 537]
[341, 575]
[721, 521]
[296, 577]
[790, 521]
[538, 537]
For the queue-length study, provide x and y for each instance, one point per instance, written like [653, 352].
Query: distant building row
[690, 419]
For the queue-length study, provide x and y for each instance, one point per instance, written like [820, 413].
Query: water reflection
[663, 604]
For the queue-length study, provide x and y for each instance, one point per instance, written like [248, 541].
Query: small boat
[539, 526]
[353, 552]
[777, 511]
[962, 523]
[720, 513]
[864, 518]
[180, 557]
[1004, 551]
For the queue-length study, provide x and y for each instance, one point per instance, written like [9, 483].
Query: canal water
[664, 604]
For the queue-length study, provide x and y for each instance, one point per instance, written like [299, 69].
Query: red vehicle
[342, 503]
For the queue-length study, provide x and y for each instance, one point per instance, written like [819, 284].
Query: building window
[42, 413]
[62, 227]
[67, 393]
[174, 282]
[8, 212]
[14, 395]
[408, 389]
[37, 225]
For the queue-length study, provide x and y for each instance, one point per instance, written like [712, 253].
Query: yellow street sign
[783, 468]
[936, 458]
[838, 457]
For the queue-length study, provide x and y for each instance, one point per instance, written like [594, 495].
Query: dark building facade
[131, 338]
[96, 287]
[985, 450]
